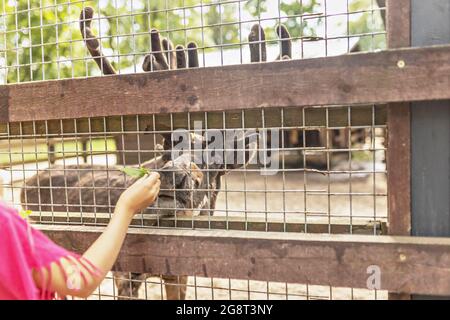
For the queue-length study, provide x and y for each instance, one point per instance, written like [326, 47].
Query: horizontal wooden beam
[292, 117]
[334, 225]
[314, 224]
[406, 264]
[390, 76]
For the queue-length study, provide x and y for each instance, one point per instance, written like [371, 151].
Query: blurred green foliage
[292, 10]
[40, 39]
[366, 24]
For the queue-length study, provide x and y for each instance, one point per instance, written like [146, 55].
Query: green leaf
[25, 213]
[135, 172]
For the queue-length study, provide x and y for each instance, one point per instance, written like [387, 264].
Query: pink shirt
[22, 249]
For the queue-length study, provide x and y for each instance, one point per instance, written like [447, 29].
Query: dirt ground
[296, 193]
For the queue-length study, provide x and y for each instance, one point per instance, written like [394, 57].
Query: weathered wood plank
[350, 79]
[335, 260]
[399, 131]
[398, 23]
[399, 134]
[399, 169]
[334, 225]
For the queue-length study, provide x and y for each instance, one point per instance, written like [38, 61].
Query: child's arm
[104, 251]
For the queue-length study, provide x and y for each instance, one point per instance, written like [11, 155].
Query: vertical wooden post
[399, 134]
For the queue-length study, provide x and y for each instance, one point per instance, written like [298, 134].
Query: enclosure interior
[330, 173]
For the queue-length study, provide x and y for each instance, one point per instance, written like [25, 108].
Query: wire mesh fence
[318, 169]
[201, 288]
[312, 169]
[42, 40]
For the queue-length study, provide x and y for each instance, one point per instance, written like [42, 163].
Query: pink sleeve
[16, 281]
[23, 249]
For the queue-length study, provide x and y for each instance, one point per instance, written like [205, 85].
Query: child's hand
[140, 195]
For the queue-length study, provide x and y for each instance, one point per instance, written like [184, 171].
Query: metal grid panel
[41, 40]
[200, 288]
[326, 172]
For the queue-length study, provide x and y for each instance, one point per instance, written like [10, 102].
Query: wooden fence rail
[413, 74]
[406, 264]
